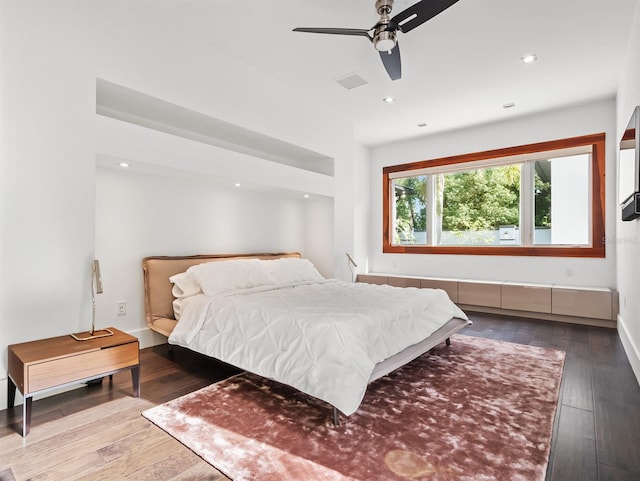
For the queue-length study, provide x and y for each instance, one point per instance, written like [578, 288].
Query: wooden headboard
[158, 299]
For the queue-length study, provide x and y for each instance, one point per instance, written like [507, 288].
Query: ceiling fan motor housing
[383, 7]
[383, 38]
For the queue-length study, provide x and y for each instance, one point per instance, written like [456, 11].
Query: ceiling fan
[383, 33]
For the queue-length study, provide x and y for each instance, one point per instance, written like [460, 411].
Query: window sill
[540, 251]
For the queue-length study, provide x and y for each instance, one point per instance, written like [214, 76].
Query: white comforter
[323, 338]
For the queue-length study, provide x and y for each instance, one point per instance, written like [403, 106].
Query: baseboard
[630, 347]
[147, 337]
[3, 389]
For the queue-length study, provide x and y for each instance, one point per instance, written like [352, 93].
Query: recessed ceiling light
[123, 164]
[237, 184]
[532, 57]
[306, 196]
[422, 124]
[388, 100]
[510, 105]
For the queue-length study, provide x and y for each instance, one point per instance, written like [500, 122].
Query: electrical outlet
[122, 308]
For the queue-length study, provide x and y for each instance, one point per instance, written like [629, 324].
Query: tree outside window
[502, 202]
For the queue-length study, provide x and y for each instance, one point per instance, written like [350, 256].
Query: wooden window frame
[598, 244]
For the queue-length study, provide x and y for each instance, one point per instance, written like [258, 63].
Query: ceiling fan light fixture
[385, 41]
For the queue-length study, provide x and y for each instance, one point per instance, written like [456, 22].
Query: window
[543, 199]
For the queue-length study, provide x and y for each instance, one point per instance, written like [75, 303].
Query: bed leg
[448, 341]
[336, 419]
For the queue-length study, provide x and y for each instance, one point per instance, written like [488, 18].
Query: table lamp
[96, 288]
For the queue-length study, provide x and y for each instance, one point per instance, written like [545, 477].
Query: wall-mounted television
[629, 169]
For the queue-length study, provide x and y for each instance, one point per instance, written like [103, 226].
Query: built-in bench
[593, 306]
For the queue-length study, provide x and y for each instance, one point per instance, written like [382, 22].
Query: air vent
[352, 81]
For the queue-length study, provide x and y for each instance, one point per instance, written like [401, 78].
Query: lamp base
[88, 335]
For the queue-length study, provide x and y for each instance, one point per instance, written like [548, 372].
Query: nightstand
[40, 366]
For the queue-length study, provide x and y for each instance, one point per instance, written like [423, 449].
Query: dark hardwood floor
[597, 428]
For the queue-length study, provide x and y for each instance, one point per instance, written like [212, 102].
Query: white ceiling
[459, 68]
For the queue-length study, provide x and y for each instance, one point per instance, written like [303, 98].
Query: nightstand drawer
[55, 372]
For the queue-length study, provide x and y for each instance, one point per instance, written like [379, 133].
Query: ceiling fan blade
[391, 62]
[417, 14]
[336, 31]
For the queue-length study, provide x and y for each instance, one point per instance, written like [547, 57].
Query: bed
[274, 315]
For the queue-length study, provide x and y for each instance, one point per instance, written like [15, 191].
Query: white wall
[168, 62]
[362, 208]
[52, 53]
[573, 121]
[48, 168]
[319, 235]
[628, 235]
[140, 214]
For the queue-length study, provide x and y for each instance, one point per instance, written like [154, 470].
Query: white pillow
[177, 308]
[219, 276]
[293, 269]
[184, 285]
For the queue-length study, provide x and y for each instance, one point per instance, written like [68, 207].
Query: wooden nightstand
[39, 366]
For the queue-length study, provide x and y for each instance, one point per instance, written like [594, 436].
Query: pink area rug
[478, 410]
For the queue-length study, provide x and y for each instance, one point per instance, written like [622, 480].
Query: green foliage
[476, 200]
[411, 212]
[468, 203]
[482, 199]
[542, 203]
[404, 231]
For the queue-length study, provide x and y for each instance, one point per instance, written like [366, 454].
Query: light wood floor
[97, 432]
